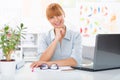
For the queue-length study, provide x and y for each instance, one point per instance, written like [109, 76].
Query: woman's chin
[57, 26]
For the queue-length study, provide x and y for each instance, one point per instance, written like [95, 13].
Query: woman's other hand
[36, 64]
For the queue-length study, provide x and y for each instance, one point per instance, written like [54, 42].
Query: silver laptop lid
[107, 51]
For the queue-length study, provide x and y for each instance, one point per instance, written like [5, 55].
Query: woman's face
[57, 21]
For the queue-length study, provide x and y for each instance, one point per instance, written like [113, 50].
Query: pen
[32, 69]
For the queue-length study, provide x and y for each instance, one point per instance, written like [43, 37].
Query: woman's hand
[59, 33]
[36, 64]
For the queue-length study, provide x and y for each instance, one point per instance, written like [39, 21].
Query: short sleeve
[77, 49]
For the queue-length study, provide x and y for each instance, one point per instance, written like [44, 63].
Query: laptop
[106, 53]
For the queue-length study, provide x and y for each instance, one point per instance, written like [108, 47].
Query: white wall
[32, 14]
[10, 12]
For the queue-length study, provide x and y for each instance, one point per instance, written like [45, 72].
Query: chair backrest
[88, 52]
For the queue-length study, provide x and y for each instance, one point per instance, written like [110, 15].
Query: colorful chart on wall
[98, 18]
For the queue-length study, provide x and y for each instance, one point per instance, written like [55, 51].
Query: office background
[89, 17]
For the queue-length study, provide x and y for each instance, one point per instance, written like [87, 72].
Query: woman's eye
[51, 17]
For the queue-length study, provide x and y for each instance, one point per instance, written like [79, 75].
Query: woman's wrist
[56, 40]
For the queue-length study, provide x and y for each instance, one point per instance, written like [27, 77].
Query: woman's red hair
[54, 9]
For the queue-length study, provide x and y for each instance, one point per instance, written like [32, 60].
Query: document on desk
[65, 68]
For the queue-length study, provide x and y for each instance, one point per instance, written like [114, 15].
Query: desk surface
[25, 73]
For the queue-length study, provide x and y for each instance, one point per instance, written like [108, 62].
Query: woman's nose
[56, 18]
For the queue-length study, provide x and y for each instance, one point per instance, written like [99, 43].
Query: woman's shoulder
[73, 33]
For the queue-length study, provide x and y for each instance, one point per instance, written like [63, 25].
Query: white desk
[25, 73]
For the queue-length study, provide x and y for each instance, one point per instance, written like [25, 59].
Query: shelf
[30, 59]
[30, 46]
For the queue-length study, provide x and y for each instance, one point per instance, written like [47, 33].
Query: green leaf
[18, 28]
[0, 43]
[6, 28]
[21, 25]
[25, 28]
[23, 37]
[2, 38]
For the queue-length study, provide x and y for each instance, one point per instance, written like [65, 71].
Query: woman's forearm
[64, 62]
[46, 56]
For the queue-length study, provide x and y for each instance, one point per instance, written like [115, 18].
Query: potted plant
[9, 40]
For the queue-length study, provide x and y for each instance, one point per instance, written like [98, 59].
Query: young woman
[60, 45]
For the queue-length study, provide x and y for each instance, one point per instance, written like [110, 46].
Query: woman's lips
[58, 24]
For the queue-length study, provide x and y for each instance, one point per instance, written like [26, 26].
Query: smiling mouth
[58, 24]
